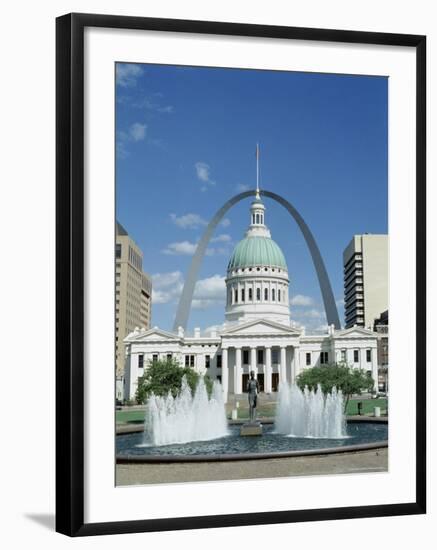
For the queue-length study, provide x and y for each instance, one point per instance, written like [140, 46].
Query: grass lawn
[368, 405]
[131, 417]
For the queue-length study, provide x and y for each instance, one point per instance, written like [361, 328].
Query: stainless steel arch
[184, 306]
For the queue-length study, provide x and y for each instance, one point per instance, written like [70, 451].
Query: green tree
[163, 376]
[347, 379]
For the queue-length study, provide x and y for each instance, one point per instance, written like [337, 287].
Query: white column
[363, 363]
[282, 371]
[253, 365]
[374, 353]
[225, 374]
[237, 371]
[268, 371]
[294, 364]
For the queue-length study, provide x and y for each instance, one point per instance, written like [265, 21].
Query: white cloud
[223, 238]
[166, 287]
[164, 280]
[301, 300]
[211, 288]
[226, 222]
[340, 302]
[203, 172]
[148, 103]
[126, 74]
[188, 221]
[240, 187]
[312, 313]
[209, 292]
[137, 131]
[183, 248]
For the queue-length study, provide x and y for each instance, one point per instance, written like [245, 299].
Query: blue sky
[186, 140]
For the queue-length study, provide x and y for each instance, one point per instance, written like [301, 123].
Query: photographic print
[251, 304]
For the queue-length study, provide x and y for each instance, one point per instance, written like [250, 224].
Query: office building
[365, 262]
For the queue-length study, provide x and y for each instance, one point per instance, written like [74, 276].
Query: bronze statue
[252, 391]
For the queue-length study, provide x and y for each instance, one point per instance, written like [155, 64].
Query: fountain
[309, 413]
[186, 417]
[193, 427]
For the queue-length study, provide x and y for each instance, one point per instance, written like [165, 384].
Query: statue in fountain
[253, 427]
[252, 392]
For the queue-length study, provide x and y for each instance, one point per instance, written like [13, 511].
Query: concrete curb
[154, 459]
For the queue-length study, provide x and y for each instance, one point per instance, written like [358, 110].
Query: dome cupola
[257, 276]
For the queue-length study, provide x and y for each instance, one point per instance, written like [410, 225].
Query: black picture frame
[70, 273]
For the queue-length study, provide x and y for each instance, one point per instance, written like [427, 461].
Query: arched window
[258, 294]
[250, 294]
[279, 295]
[242, 294]
[257, 218]
[273, 294]
[236, 295]
[253, 219]
[266, 294]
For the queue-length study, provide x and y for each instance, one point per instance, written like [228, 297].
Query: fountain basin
[362, 434]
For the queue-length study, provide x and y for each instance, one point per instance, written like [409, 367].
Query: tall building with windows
[133, 296]
[365, 262]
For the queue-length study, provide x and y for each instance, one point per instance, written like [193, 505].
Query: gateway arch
[186, 298]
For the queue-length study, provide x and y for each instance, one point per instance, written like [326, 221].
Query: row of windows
[241, 296]
[324, 358]
[257, 218]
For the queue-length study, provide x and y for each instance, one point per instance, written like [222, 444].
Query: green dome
[257, 251]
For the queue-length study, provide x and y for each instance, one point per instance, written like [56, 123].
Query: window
[141, 361]
[275, 356]
[242, 295]
[207, 361]
[169, 356]
[260, 356]
[368, 355]
[279, 295]
[189, 360]
[118, 251]
[219, 361]
[266, 294]
[236, 295]
[323, 357]
[250, 294]
[343, 355]
[155, 358]
[219, 378]
[258, 294]
[356, 356]
[273, 294]
[308, 358]
[257, 218]
[245, 357]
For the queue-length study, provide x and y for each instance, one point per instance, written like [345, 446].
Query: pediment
[354, 332]
[262, 326]
[151, 335]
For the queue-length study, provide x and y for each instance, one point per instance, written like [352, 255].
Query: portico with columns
[266, 347]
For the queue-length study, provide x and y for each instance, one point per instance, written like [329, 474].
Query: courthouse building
[257, 333]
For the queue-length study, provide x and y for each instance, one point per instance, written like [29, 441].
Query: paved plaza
[340, 463]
